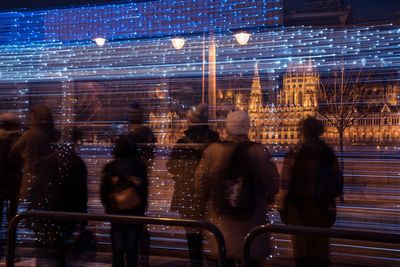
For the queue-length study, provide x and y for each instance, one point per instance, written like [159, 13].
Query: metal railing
[299, 230]
[12, 233]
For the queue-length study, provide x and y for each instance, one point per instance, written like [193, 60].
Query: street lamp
[100, 41]
[178, 42]
[242, 37]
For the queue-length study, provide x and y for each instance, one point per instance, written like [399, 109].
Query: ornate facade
[298, 98]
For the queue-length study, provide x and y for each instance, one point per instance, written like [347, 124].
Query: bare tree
[343, 100]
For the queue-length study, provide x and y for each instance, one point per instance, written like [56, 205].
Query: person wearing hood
[257, 186]
[44, 175]
[182, 163]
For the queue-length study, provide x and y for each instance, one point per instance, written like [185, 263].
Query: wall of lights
[49, 57]
[138, 20]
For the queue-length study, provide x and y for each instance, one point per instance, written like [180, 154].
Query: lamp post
[178, 42]
[100, 41]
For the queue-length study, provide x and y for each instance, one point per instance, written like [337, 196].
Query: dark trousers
[195, 246]
[311, 251]
[11, 209]
[51, 253]
[11, 212]
[125, 240]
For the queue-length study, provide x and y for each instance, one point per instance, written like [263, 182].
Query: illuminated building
[298, 98]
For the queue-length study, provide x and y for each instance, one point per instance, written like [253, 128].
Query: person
[142, 135]
[311, 176]
[237, 179]
[125, 172]
[75, 187]
[43, 178]
[182, 163]
[10, 172]
[145, 139]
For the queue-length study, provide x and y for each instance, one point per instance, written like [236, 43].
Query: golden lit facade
[278, 123]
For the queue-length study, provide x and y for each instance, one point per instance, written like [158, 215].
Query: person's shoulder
[212, 136]
[216, 146]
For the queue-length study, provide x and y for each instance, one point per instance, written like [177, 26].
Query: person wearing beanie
[215, 169]
[181, 164]
[312, 180]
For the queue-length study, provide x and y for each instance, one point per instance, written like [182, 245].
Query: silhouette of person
[10, 172]
[312, 177]
[182, 164]
[254, 185]
[141, 135]
[44, 175]
[144, 138]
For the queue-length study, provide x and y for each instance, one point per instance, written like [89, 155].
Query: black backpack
[234, 191]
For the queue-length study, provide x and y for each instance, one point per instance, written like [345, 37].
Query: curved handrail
[327, 232]
[11, 236]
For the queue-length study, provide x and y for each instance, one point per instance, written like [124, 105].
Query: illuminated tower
[256, 106]
[255, 103]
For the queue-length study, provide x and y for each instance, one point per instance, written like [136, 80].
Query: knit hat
[198, 115]
[238, 123]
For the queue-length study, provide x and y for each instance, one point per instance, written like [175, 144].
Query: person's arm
[17, 149]
[270, 173]
[203, 176]
[105, 187]
[340, 178]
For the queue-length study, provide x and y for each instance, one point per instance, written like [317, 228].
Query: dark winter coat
[113, 179]
[182, 164]
[312, 178]
[10, 170]
[145, 140]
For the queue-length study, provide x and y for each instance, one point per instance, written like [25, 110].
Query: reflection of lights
[99, 41]
[242, 37]
[178, 42]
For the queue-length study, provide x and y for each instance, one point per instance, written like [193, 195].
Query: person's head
[136, 114]
[9, 121]
[40, 116]
[125, 148]
[198, 115]
[311, 128]
[77, 134]
[238, 123]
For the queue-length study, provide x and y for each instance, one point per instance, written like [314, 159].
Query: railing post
[11, 238]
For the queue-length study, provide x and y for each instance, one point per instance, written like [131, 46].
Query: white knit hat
[238, 123]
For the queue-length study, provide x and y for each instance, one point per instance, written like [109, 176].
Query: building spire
[256, 92]
[256, 74]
